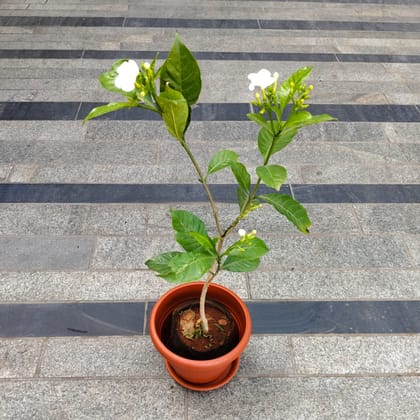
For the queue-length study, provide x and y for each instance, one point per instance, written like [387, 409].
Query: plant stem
[216, 266]
[257, 185]
[205, 186]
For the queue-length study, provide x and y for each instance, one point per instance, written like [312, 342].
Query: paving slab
[359, 173]
[357, 355]
[101, 357]
[34, 220]
[20, 357]
[267, 356]
[337, 252]
[311, 398]
[40, 253]
[390, 218]
[4, 172]
[62, 286]
[92, 399]
[335, 284]
[413, 245]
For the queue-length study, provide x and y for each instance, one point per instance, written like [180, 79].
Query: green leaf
[240, 265]
[242, 197]
[241, 174]
[301, 119]
[269, 143]
[265, 140]
[289, 207]
[179, 267]
[105, 109]
[283, 140]
[260, 120]
[181, 71]
[206, 242]
[244, 182]
[190, 266]
[249, 249]
[194, 241]
[160, 263]
[221, 160]
[272, 175]
[185, 221]
[175, 112]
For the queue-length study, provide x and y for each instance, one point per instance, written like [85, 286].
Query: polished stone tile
[335, 317]
[203, 112]
[38, 53]
[118, 193]
[38, 111]
[348, 193]
[48, 320]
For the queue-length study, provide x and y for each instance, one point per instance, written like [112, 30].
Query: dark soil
[187, 339]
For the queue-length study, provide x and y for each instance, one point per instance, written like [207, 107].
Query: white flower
[127, 74]
[241, 232]
[262, 79]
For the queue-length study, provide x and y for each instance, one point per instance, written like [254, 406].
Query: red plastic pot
[200, 375]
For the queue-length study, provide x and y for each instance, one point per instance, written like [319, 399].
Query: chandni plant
[280, 111]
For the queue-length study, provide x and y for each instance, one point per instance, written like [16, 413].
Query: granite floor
[336, 314]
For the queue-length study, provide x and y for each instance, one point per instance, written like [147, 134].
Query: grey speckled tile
[311, 398]
[92, 399]
[413, 244]
[266, 356]
[389, 218]
[336, 252]
[335, 284]
[357, 355]
[92, 356]
[19, 357]
[40, 253]
[4, 172]
[62, 286]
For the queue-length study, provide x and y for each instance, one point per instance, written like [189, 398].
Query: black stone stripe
[54, 111]
[173, 193]
[336, 317]
[325, 25]
[286, 317]
[212, 55]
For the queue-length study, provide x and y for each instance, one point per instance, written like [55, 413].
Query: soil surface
[187, 338]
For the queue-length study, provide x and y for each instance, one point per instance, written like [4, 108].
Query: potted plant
[199, 327]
